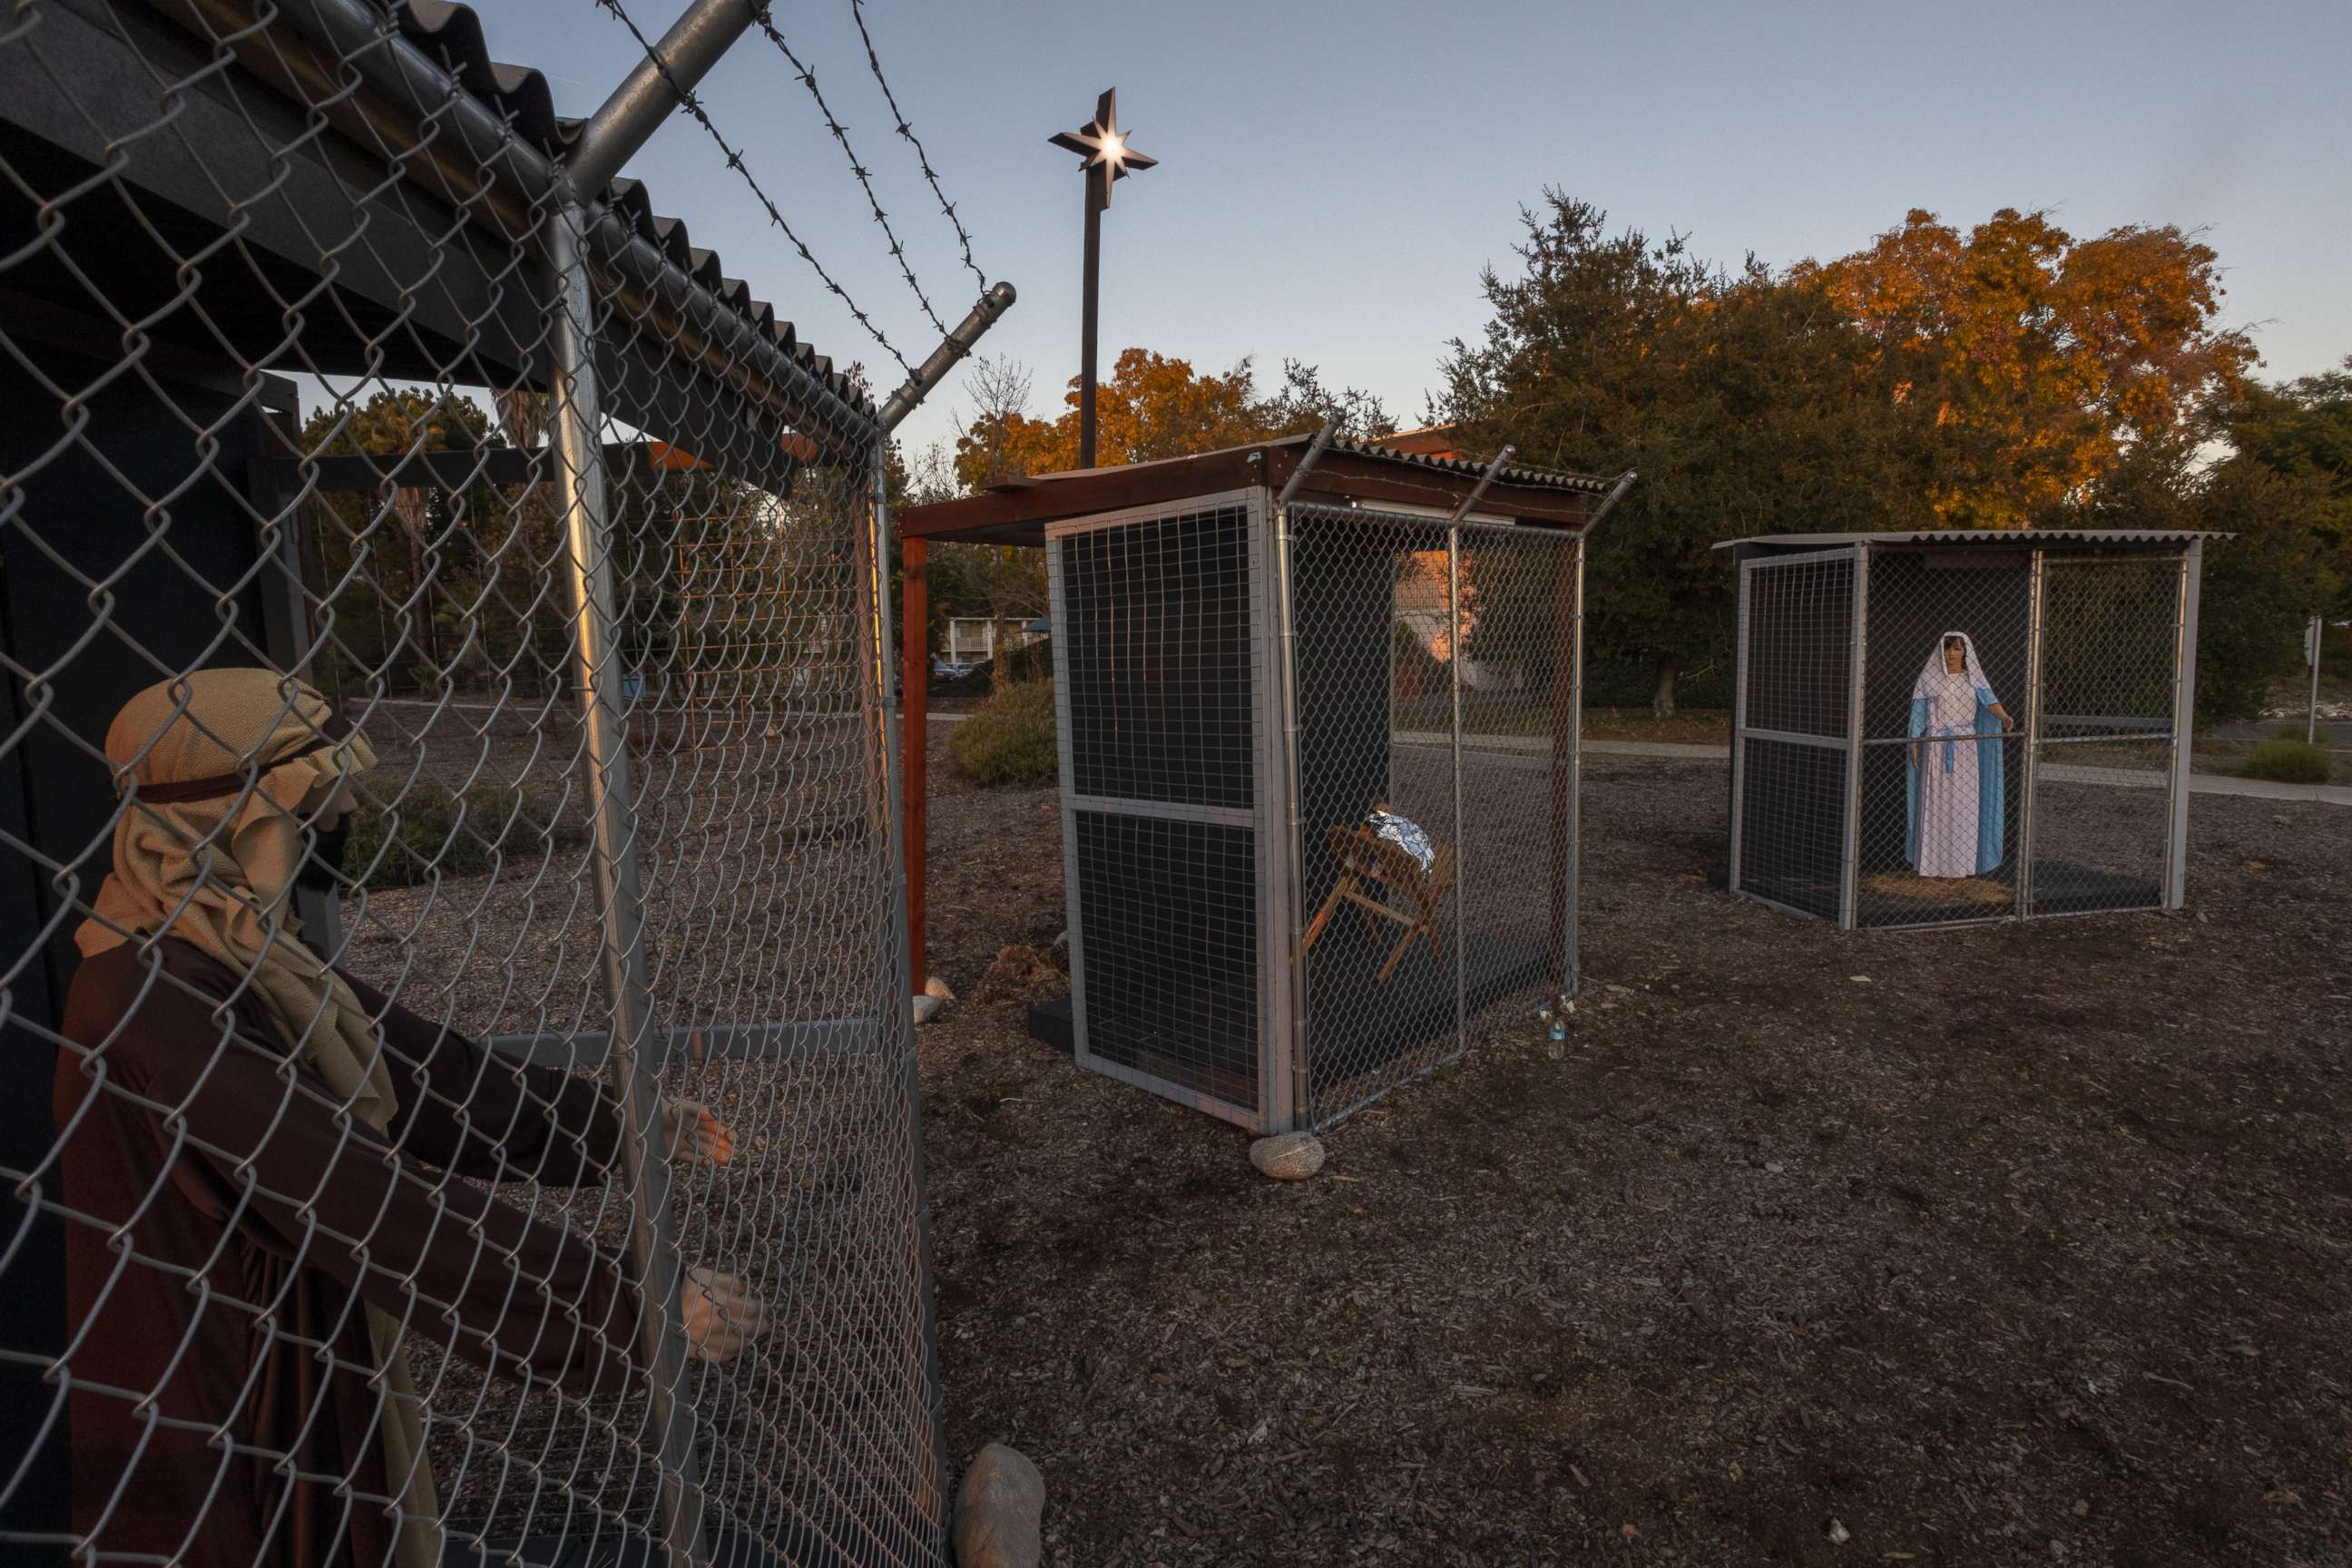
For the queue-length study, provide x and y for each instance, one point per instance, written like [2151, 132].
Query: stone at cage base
[1288, 1156]
[1000, 1511]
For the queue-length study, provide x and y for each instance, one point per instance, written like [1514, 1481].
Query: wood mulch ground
[2002, 1245]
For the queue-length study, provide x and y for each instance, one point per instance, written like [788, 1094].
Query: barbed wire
[734, 159]
[841, 135]
[874, 63]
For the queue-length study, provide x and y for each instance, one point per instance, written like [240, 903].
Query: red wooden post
[914, 620]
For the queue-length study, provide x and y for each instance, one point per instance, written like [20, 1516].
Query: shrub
[1009, 739]
[403, 832]
[2287, 759]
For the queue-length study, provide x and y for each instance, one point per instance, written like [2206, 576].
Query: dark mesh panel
[1168, 916]
[1155, 649]
[1793, 825]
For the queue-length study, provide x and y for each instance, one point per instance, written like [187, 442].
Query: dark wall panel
[1156, 661]
[109, 530]
[1343, 591]
[1168, 919]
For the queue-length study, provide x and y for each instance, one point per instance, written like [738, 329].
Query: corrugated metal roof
[452, 34]
[2141, 536]
[1535, 478]
[1539, 479]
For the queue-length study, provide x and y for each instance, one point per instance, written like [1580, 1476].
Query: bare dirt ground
[2004, 1245]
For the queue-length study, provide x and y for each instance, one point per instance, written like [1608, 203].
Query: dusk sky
[1333, 179]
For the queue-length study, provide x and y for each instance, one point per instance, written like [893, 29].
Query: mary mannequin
[1956, 790]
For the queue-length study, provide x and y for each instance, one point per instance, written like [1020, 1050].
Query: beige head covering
[221, 769]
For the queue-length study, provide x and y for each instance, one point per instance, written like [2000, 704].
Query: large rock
[1288, 1156]
[1000, 1511]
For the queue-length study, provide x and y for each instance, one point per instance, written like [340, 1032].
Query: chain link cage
[1932, 730]
[617, 1252]
[1350, 740]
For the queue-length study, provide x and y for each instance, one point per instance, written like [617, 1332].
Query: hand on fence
[720, 1315]
[695, 1135]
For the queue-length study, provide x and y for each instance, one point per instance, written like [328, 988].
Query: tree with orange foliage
[2030, 361]
[1151, 407]
[1935, 379]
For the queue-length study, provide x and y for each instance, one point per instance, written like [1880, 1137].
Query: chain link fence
[544, 1185]
[1435, 671]
[1350, 739]
[1932, 732]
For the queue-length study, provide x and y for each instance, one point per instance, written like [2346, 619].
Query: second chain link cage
[312, 371]
[1938, 729]
[1319, 783]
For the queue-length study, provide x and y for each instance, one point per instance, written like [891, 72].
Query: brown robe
[220, 1405]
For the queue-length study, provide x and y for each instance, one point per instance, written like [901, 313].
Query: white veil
[1933, 675]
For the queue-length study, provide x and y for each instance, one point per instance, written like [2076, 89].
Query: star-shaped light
[1104, 147]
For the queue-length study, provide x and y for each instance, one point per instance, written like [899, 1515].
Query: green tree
[2283, 491]
[1741, 397]
[2302, 432]
[388, 563]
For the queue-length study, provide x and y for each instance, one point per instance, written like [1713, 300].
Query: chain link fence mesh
[308, 375]
[1933, 736]
[1435, 685]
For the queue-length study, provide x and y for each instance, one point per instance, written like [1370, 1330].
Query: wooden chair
[1365, 858]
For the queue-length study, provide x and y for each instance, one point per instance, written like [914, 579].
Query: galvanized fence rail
[327, 356]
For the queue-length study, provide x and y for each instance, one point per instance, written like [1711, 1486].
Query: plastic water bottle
[1555, 1019]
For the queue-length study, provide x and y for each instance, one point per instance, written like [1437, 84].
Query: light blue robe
[1992, 797]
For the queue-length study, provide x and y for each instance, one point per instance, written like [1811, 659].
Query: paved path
[2199, 783]
[2063, 773]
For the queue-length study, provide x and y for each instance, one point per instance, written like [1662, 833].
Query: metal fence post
[1454, 666]
[580, 494]
[2184, 725]
[1739, 661]
[1849, 845]
[1294, 859]
[2316, 635]
[2036, 601]
[898, 979]
[1572, 937]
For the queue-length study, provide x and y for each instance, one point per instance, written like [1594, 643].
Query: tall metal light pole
[1108, 159]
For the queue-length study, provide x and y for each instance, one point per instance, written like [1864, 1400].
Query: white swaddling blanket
[1401, 831]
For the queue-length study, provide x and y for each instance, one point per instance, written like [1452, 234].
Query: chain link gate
[315, 368]
[1435, 677]
[1939, 729]
[1793, 730]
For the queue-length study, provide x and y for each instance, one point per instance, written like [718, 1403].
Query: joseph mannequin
[258, 1152]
